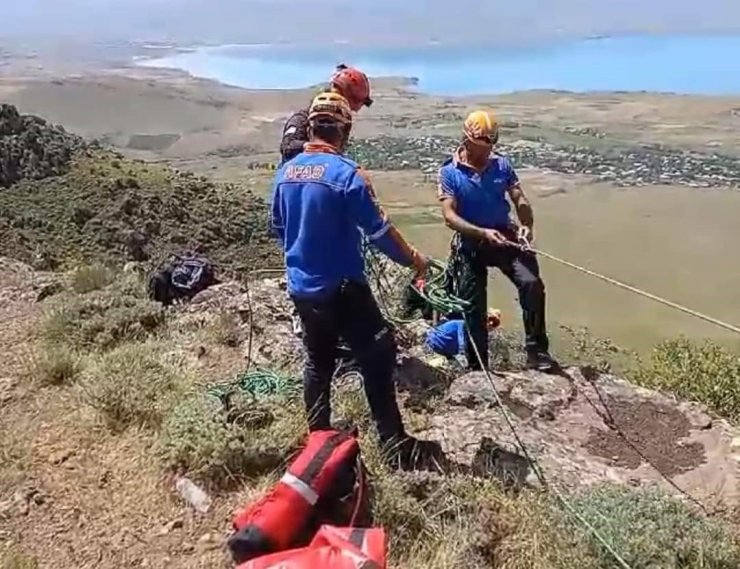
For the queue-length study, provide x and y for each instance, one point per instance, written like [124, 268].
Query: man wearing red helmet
[349, 82]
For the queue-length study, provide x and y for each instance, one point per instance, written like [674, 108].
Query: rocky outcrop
[31, 148]
[270, 330]
[582, 427]
[586, 428]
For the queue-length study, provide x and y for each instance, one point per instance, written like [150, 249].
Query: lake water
[707, 65]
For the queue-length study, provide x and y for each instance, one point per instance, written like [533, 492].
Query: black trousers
[467, 278]
[353, 314]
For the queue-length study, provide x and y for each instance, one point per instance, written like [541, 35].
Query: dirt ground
[73, 494]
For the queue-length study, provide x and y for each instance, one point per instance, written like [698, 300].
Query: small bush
[706, 372]
[578, 346]
[103, 319]
[650, 530]
[225, 330]
[524, 532]
[217, 447]
[132, 385]
[55, 365]
[573, 346]
[90, 278]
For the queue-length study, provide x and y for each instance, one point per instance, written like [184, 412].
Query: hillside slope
[70, 203]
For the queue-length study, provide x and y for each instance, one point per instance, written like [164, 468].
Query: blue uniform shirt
[448, 339]
[320, 207]
[480, 196]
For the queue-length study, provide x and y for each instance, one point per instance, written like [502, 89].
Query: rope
[536, 468]
[259, 384]
[639, 292]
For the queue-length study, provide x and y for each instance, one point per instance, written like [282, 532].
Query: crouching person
[450, 338]
[321, 205]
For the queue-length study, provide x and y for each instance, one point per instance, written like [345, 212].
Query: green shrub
[706, 372]
[103, 319]
[93, 277]
[132, 385]
[217, 447]
[55, 365]
[572, 346]
[652, 531]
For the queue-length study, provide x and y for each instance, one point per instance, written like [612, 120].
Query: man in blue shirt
[321, 206]
[450, 339]
[474, 185]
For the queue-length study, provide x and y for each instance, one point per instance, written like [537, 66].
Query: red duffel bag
[292, 511]
[331, 548]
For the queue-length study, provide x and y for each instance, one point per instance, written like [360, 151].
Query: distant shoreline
[602, 63]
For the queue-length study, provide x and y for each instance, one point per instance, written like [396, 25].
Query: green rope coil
[433, 292]
[258, 384]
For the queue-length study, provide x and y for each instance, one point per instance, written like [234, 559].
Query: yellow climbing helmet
[481, 127]
[330, 106]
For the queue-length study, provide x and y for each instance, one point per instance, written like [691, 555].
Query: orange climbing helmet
[353, 84]
[481, 127]
[330, 107]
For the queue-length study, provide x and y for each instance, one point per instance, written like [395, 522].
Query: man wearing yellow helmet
[473, 188]
[321, 206]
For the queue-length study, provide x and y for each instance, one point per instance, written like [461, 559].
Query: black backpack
[181, 277]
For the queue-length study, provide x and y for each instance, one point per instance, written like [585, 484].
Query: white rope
[643, 293]
[615, 282]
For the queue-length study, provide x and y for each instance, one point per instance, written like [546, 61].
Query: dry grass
[134, 385]
[102, 319]
[225, 330]
[220, 448]
[91, 277]
[11, 557]
[55, 365]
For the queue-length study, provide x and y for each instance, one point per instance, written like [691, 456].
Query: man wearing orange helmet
[349, 82]
[321, 206]
[473, 187]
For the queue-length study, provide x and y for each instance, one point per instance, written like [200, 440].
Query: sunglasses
[481, 140]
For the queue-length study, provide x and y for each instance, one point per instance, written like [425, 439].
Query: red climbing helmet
[353, 84]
